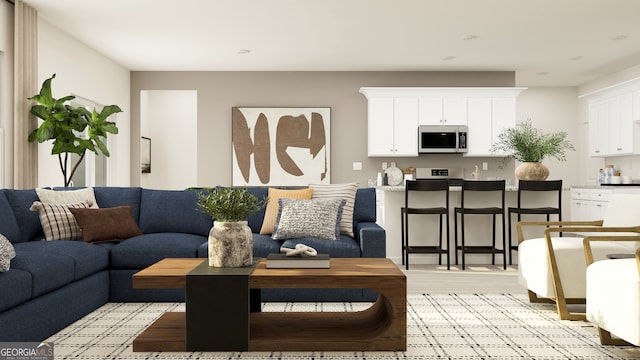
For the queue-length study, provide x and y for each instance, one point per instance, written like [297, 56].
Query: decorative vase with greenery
[530, 146]
[66, 126]
[230, 238]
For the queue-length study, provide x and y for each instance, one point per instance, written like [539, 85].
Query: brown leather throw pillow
[106, 224]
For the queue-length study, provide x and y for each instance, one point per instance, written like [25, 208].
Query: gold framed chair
[553, 268]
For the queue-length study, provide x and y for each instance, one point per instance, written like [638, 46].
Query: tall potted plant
[530, 146]
[66, 125]
[230, 238]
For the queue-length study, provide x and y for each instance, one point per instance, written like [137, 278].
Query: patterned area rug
[440, 326]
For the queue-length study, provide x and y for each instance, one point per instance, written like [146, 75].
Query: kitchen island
[424, 230]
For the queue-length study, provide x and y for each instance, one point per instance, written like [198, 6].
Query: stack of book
[282, 261]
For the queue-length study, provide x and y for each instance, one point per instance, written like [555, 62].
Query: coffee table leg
[217, 312]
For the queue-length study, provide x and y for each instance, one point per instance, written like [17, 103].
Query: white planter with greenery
[230, 238]
[530, 146]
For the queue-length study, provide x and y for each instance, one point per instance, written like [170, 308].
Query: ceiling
[546, 42]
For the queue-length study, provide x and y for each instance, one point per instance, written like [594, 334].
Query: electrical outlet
[384, 166]
[485, 166]
[357, 165]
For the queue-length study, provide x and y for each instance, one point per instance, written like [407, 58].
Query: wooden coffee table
[383, 326]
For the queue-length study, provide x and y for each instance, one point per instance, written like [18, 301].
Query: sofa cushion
[106, 224]
[344, 247]
[364, 207]
[15, 287]
[342, 191]
[8, 223]
[48, 271]
[255, 220]
[28, 222]
[67, 196]
[141, 251]
[7, 252]
[119, 196]
[309, 218]
[271, 211]
[172, 211]
[58, 223]
[87, 258]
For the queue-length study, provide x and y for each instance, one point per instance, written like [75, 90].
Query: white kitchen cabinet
[395, 112]
[620, 121]
[599, 128]
[636, 105]
[480, 135]
[393, 127]
[487, 118]
[443, 111]
[589, 204]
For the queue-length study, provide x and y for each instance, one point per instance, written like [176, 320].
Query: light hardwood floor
[487, 279]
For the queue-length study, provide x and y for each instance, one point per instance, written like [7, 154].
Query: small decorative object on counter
[385, 179]
[394, 175]
[608, 174]
[379, 179]
[600, 177]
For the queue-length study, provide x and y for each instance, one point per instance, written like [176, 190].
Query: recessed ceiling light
[542, 73]
[244, 51]
[447, 58]
[619, 37]
[576, 58]
[470, 37]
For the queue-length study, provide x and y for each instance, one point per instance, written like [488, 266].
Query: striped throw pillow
[58, 223]
[342, 191]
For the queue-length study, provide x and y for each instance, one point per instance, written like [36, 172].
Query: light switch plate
[357, 165]
[485, 166]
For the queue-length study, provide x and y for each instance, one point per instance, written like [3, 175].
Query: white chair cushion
[613, 298]
[534, 271]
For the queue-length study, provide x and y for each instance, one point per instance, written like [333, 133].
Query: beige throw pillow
[341, 191]
[271, 212]
[61, 197]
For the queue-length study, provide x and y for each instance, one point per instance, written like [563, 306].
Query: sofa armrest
[372, 239]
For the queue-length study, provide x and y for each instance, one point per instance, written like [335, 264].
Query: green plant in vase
[530, 146]
[230, 238]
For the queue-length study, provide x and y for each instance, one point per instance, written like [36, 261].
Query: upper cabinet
[391, 123]
[395, 114]
[443, 111]
[614, 121]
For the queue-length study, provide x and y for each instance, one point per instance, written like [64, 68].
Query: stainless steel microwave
[442, 139]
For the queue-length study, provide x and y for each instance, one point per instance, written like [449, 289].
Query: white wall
[170, 119]
[6, 93]
[555, 109]
[84, 72]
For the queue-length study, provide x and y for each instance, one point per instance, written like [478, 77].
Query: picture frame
[281, 146]
[145, 155]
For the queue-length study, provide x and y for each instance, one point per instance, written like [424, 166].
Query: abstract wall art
[280, 146]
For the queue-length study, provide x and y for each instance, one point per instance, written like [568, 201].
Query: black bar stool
[441, 186]
[495, 186]
[537, 186]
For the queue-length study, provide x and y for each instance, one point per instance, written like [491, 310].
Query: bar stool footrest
[480, 250]
[425, 250]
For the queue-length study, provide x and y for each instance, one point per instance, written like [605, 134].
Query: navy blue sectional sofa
[51, 284]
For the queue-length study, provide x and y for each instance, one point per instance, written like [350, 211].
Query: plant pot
[532, 171]
[230, 244]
